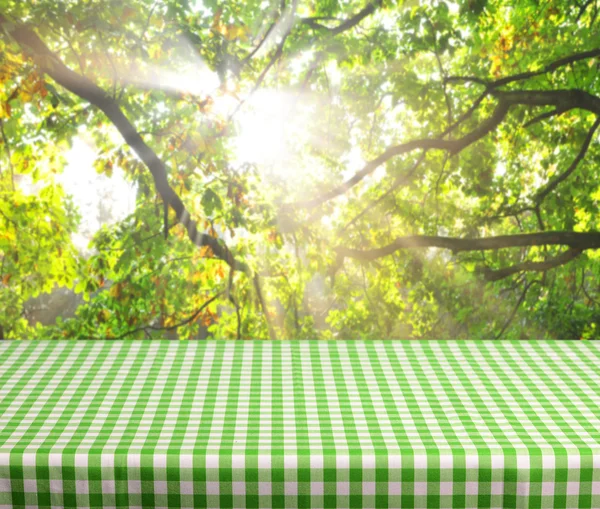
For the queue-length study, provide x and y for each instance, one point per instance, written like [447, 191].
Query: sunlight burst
[262, 131]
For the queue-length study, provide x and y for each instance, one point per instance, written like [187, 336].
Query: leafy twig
[514, 311]
[177, 325]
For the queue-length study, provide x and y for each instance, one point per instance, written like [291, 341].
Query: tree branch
[517, 306]
[452, 146]
[235, 304]
[562, 259]
[564, 100]
[82, 87]
[543, 116]
[369, 9]
[9, 156]
[400, 180]
[177, 325]
[262, 41]
[289, 21]
[263, 305]
[575, 240]
[552, 185]
[561, 62]
[582, 9]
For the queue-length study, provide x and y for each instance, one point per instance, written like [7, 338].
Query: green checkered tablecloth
[340, 424]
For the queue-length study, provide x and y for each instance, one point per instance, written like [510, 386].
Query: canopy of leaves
[329, 169]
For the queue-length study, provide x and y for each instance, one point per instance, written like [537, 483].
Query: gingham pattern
[300, 424]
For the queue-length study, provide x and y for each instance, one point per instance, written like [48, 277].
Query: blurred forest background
[330, 169]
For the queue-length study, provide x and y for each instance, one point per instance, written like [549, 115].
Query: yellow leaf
[234, 32]
[115, 290]
[206, 252]
[220, 28]
[13, 57]
[25, 96]
[207, 319]
[104, 315]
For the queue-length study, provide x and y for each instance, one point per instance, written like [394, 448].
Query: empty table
[260, 424]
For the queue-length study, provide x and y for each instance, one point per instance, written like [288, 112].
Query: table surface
[300, 424]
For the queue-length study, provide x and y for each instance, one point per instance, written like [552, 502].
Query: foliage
[392, 138]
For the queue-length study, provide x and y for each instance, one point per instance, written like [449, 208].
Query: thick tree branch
[563, 100]
[561, 62]
[452, 146]
[575, 240]
[369, 9]
[562, 259]
[81, 86]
